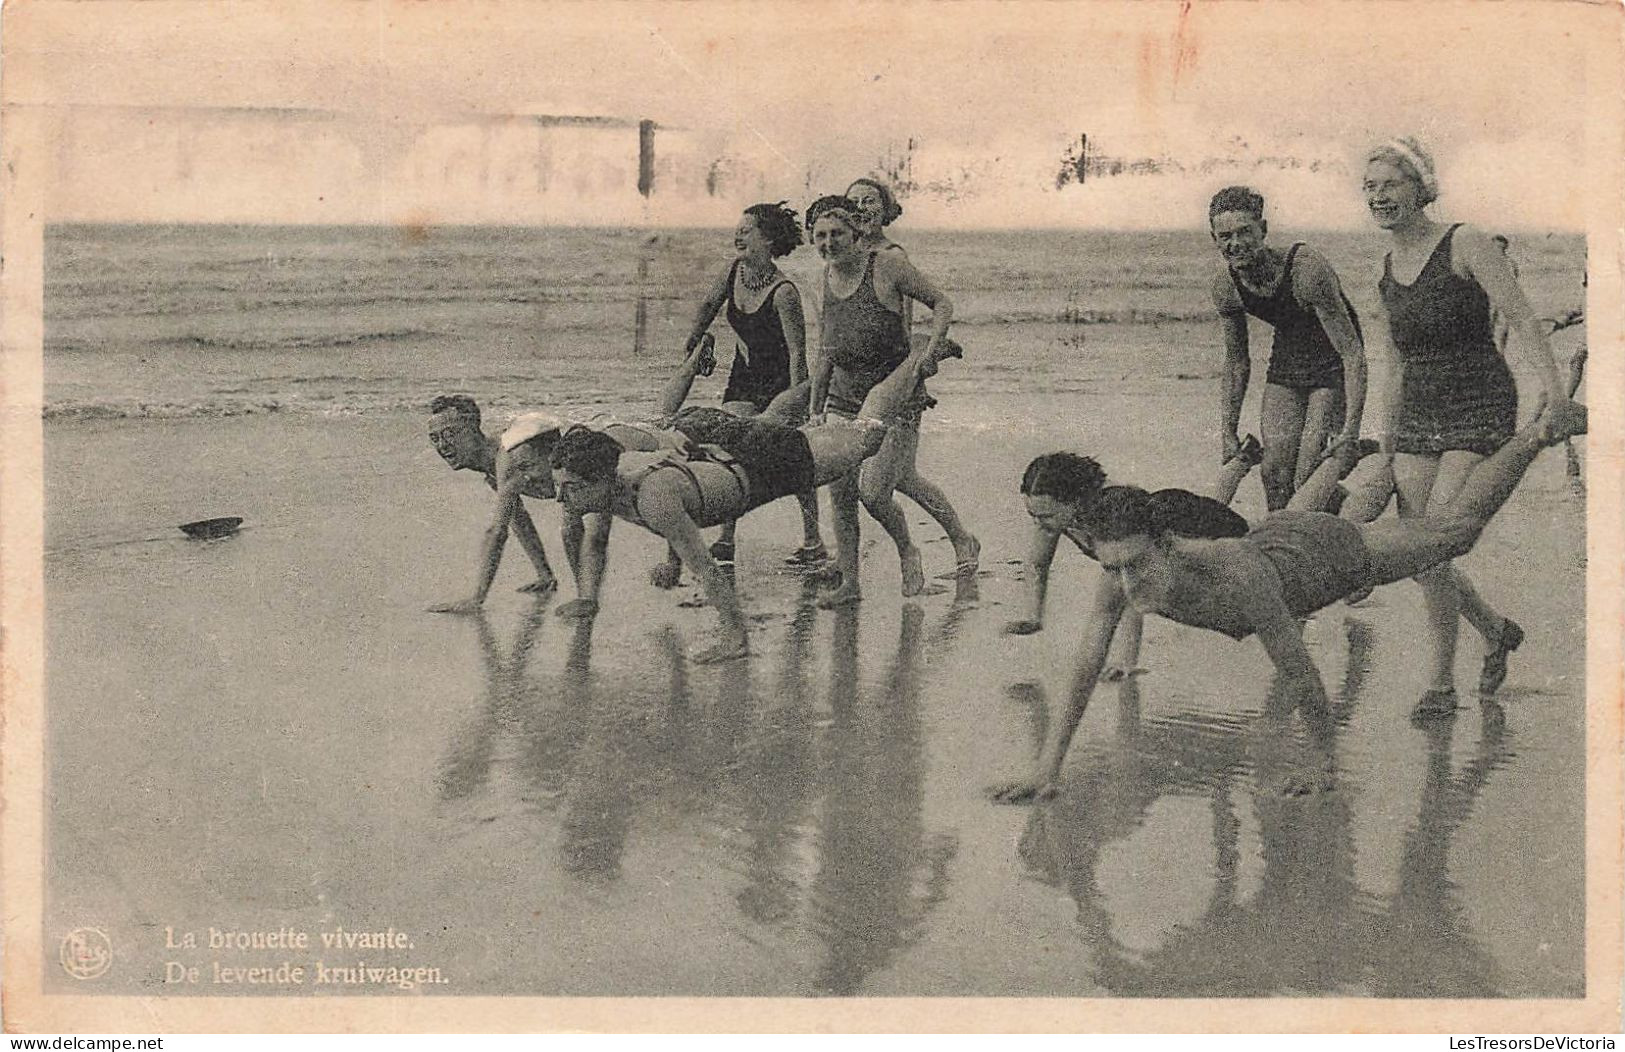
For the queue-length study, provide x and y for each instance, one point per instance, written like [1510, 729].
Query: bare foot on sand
[578, 608]
[839, 597]
[968, 559]
[1118, 673]
[727, 650]
[1026, 791]
[913, 573]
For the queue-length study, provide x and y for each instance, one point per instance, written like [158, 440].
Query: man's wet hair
[1121, 512]
[1064, 476]
[890, 210]
[778, 224]
[590, 454]
[830, 203]
[462, 405]
[1236, 199]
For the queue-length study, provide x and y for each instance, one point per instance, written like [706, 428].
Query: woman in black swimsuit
[764, 310]
[1456, 402]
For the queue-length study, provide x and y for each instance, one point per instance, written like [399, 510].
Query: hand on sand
[578, 608]
[724, 651]
[461, 606]
[666, 575]
[1118, 673]
[1025, 626]
[1026, 791]
[540, 586]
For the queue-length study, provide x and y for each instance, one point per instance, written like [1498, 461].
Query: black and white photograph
[847, 505]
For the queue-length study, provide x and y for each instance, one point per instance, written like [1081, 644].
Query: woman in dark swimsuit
[764, 310]
[875, 207]
[1456, 402]
[863, 341]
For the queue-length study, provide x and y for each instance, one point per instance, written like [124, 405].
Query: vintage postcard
[387, 645]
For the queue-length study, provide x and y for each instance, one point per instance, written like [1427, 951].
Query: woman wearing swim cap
[863, 341]
[764, 311]
[1456, 401]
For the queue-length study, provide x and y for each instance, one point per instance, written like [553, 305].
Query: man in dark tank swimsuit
[1315, 388]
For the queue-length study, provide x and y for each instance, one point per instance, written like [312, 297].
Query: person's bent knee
[875, 493]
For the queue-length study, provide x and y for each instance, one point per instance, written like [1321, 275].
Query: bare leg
[1407, 547]
[1415, 476]
[1281, 424]
[1371, 487]
[967, 549]
[1235, 470]
[811, 537]
[675, 393]
[1323, 418]
[875, 485]
[789, 406]
[843, 495]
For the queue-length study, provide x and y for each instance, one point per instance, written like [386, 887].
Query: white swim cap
[527, 426]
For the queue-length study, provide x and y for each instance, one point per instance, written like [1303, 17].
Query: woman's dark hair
[587, 453]
[830, 203]
[1121, 512]
[1064, 476]
[778, 224]
[890, 210]
[1236, 199]
[461, 405]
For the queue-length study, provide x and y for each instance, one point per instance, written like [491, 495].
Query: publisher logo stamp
[86, 953]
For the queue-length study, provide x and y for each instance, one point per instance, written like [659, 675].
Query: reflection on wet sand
[1307, 928]
[814, 797]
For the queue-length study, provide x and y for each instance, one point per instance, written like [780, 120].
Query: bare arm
[1040, 554]
[820, 386]
[661, 506]
[1259, 595]
[570, 532]
[715, 297]
[894, 269]
[1393, 377]
[1237, 364]
[1315, 285]
[787, 302]
[1108, 609]
[1486, 264]
[531, 542]
[593, 557]
[495, 536]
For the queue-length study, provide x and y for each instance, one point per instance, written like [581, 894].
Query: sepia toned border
[25, 175]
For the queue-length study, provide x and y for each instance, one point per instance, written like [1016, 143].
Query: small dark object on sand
[211, 529]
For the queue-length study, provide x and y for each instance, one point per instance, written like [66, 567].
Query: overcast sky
[162, 112]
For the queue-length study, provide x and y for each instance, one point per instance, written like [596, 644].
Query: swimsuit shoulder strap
[733, 274]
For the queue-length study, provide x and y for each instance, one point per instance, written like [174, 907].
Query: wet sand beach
[268, 731]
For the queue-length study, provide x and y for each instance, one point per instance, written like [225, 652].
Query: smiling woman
[1456, 401]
